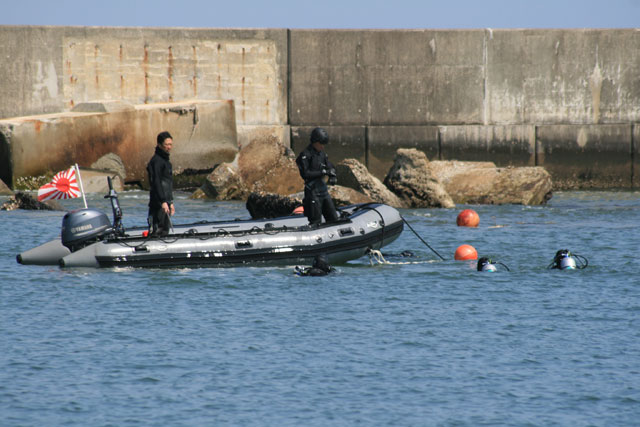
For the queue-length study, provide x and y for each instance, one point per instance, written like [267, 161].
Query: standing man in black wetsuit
[160, 173]
[314, 166]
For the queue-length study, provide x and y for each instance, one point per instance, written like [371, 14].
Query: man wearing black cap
[160, 174]
[316, 171]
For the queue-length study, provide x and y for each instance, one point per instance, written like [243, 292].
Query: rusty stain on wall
[96, 56]
[170, 74]
[120, 67]
[244, 119]
[195, 72]
[145, 67]
[266, 111]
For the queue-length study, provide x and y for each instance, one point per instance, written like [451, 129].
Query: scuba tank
[565, 260]
[487, 264]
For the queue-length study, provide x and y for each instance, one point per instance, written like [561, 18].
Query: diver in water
[565, 260]
[487, 264]
[320, 267]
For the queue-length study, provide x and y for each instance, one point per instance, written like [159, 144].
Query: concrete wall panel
[563, 76]
[503, 145]
[31, 70]
[586, 156]
[384, 141]
[386, 77]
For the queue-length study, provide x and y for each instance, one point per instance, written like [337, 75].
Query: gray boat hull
[277, 241]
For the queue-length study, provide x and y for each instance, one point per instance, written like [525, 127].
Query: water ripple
[426, 342]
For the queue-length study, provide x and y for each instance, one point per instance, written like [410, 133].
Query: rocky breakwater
[264, 173]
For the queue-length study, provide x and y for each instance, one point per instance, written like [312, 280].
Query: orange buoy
[298, 210]
[468, 218]
[465, 252]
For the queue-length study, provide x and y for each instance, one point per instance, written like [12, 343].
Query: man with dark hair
[316, 171]
[160, 173]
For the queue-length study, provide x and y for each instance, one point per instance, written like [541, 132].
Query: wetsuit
[313, 166]
[160, 174]
[320, 267]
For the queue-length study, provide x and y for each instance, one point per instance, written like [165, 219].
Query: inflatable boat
[89, 239]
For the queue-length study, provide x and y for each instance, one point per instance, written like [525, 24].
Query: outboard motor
[82, 227]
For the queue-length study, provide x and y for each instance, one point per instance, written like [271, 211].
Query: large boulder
[411, 180]
[224, 183]
[111, 162]
[263, 166]
[483, 183]
[284, 178]
[268, 166]
[344, 196]
[353, 174]
[96, 181]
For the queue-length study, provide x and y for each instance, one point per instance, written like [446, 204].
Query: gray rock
[111, 162]
[265, 165]
[482, 183]
[95, 181]
[344, 196]
[353, 174]
[225, 183]
[412, 181]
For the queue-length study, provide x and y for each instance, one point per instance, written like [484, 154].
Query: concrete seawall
[52, 142]
[568, 100]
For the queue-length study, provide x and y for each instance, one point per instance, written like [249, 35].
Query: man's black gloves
[333, 178]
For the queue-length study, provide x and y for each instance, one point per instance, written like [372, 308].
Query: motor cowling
[84, 226]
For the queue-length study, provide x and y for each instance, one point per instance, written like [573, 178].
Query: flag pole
[84, 199]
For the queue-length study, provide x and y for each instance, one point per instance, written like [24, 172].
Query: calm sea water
[422, 343]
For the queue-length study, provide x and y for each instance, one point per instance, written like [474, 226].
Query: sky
[357, 14]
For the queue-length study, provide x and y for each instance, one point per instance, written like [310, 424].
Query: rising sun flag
[63, 186]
